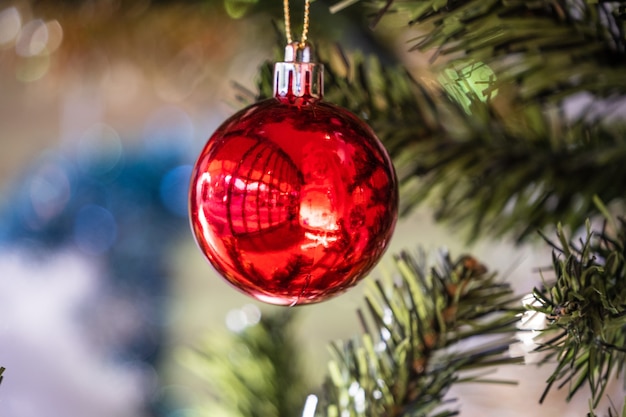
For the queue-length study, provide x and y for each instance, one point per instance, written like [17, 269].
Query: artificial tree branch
[412, 350]
[586, 308]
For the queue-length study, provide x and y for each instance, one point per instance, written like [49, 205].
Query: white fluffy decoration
[53, 366]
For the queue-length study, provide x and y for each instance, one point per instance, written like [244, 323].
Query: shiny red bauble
[293, 200]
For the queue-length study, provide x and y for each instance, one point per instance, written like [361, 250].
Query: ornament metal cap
[298, 76]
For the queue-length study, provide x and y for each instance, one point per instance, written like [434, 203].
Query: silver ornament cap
[297, 76]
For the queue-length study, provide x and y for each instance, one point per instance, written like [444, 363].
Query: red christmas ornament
[293, 200]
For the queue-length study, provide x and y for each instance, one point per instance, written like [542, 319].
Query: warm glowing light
[55, 36]
[10, 25]
[33, 68]
[316, 211]
[32, 39]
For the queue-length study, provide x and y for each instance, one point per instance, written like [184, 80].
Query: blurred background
[104, 105]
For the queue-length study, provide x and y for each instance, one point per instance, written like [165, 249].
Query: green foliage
[252, 373]
[587, 308]
[509, 182]
[547, 48]
[511, 166]
[413, 348]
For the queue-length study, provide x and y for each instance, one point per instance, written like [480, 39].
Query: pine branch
[251, 373]
[518, 162]
[587, 308]
[506, 182]
[414, 347]
[548, 48]
[544, 47]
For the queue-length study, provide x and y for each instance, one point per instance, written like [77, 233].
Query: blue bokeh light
[95, 229]
[173, 190]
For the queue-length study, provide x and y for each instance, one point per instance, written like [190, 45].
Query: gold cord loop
[305, 24]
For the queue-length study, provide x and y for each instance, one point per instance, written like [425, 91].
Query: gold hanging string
[305, 24]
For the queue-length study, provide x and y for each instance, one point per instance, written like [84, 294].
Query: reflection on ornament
[292, 199]
[249, 188]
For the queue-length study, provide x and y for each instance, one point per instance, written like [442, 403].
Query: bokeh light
[173, 182]
[95, 229]
[10, 25]
[32, 68]
[49, 191]
[99, 150]
[239, 319]
[32, 39]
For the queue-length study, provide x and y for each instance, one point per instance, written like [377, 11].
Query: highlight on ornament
[293, 200]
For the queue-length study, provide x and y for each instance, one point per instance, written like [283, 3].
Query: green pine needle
[412, 350]
[587, 308]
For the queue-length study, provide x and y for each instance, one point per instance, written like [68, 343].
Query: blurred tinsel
[124, 210]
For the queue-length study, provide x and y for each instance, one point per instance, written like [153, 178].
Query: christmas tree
[519, 135]
[505, 118]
